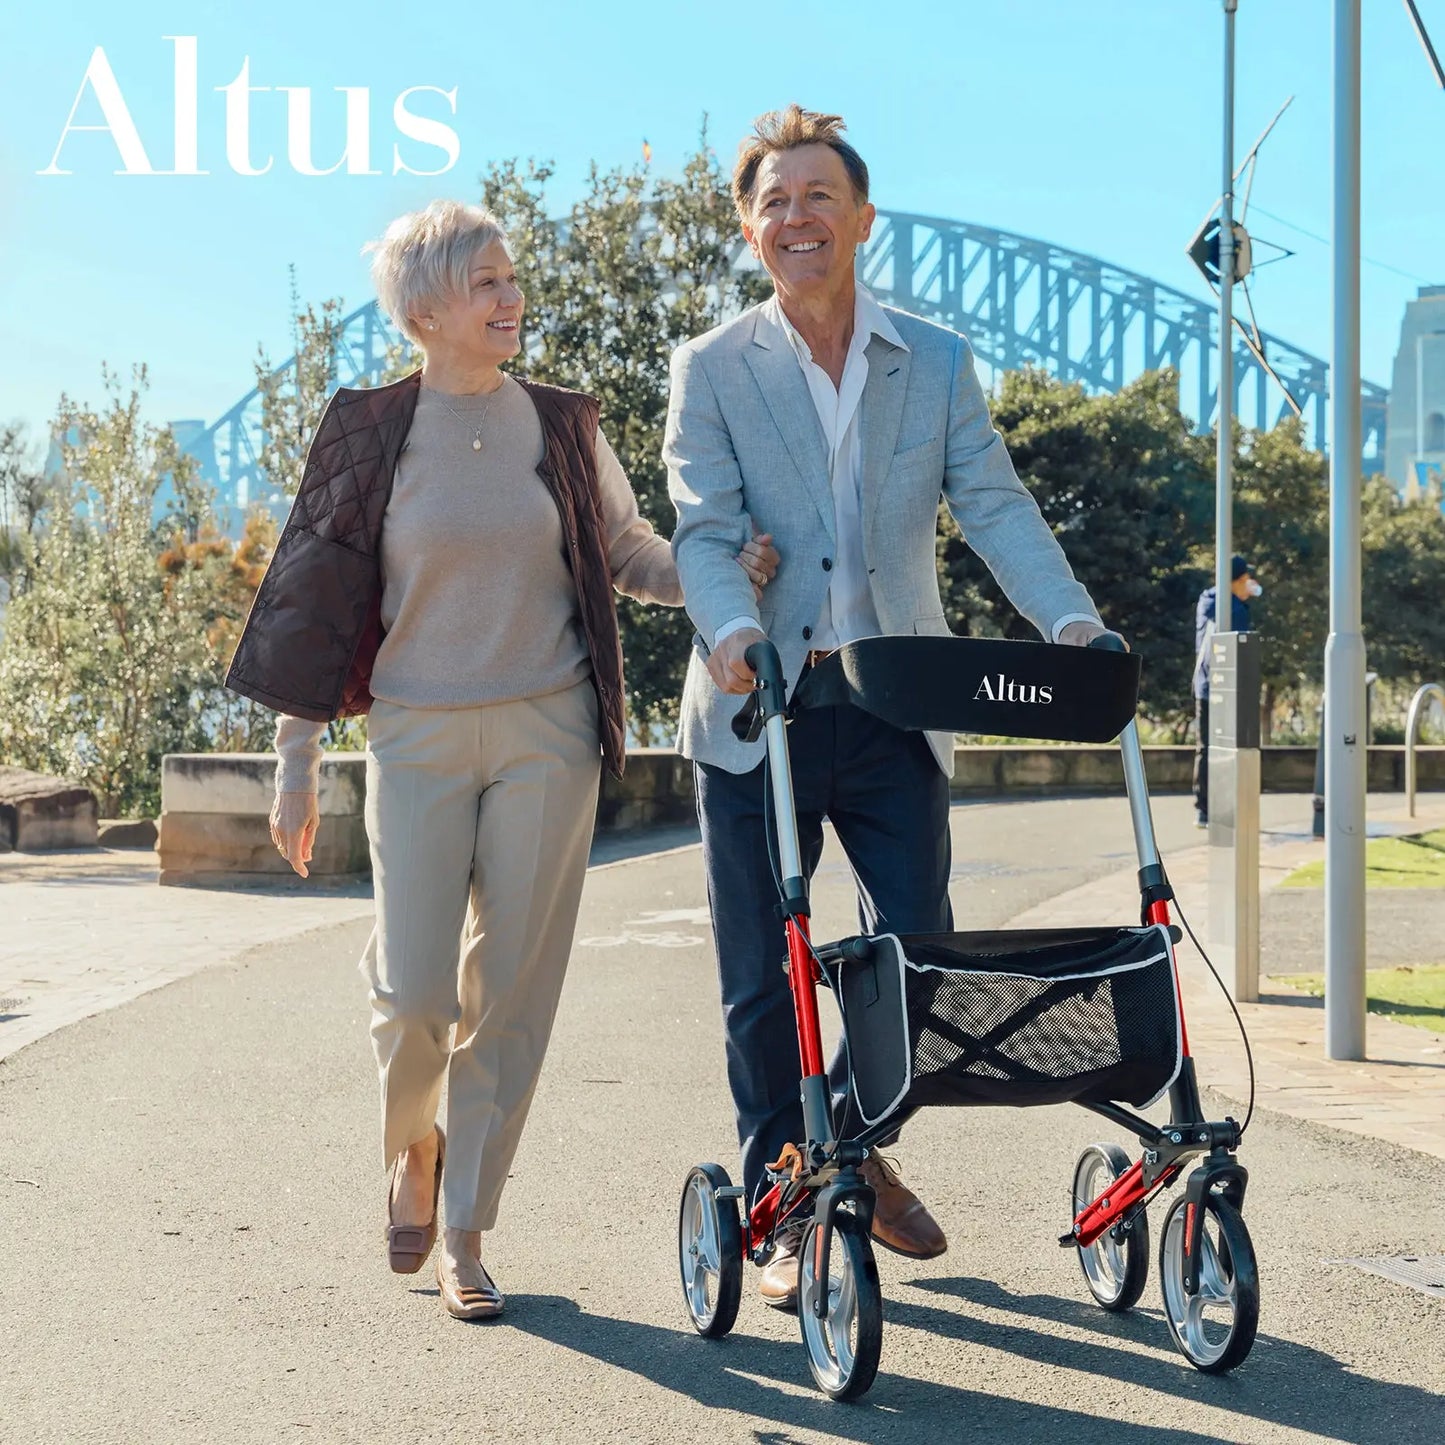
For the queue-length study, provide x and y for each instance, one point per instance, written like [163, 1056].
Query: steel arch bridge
[1021, 302]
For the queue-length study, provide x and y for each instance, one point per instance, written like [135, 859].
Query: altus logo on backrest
[1005, 689]
[100, 81]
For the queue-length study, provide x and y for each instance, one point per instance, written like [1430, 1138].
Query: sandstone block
[192, 843]
[245, 783]
[43, 814]
[128, 832]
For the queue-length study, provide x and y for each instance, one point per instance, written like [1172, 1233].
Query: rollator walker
[1089, 1016]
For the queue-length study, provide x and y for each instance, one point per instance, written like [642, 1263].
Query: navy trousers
[887, 799]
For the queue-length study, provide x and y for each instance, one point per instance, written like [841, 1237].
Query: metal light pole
[1224, 479]
[1234, 657]
[1345, 742]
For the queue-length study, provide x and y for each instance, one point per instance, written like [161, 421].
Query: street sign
[1204, 251]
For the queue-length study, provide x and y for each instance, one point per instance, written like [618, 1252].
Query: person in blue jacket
[1242, 587]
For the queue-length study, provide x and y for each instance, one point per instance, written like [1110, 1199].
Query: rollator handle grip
[769, 695]
[1110, 642]
[763, 658]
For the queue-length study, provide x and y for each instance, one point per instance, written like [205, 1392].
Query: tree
[24, 496]
[1123, 482]
[293, 398]
[104, 655]
[1281, 497]
[1404, 574]
[637, 267]
[228, 575]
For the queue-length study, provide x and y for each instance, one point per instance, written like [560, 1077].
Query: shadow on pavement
[737, 1374]
[1281, 1382]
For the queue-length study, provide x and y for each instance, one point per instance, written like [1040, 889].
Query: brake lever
[748, 722]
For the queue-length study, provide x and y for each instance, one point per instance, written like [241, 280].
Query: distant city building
[1415, 415]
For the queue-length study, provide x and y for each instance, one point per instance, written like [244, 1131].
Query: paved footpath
[192, 1203]
[1397, 1092]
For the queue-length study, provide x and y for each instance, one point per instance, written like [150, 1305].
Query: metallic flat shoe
[468, 1302]
[409, 1245]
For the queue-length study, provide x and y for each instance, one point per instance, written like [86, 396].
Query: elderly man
[837, 424]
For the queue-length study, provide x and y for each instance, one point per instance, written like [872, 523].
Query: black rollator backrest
[981, 685]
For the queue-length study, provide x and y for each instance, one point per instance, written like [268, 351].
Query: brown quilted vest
[315, 626]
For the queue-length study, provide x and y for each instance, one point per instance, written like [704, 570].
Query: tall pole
[1345, 741]
[1224, 450]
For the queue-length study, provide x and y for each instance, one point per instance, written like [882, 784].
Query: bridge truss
[1021, 302]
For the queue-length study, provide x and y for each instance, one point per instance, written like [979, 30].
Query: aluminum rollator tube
[763, 658]
[780, 773]
[1345, 740]
[1137, 787]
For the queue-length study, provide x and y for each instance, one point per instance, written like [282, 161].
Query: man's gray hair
[424, 258]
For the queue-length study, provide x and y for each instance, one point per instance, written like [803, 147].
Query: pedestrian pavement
[88, 931]
[192, 1195]
[1396, 1093]
[85, 931]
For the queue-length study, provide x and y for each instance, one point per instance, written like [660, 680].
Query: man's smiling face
[806, 222]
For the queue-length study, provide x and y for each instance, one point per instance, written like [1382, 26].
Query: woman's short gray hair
[425, 256]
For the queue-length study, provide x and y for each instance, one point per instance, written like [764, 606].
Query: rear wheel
[1214, 1327]
[710, 1251]
[1116, 1264]
[845, 1343]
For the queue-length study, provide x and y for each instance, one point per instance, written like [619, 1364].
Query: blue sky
[1093, 125]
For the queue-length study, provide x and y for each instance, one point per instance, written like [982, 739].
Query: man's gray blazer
[743, 441]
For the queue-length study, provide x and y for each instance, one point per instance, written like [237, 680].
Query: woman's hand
[294, 817]
[760, 559]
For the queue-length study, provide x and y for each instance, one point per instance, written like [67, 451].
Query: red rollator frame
[1207, 1263]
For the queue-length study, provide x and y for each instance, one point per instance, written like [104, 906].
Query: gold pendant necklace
[481, 421]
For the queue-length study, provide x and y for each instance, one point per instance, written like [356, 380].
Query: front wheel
[845, 1343]
[1116, 1264]
[710, 1251]
[1214, 1327]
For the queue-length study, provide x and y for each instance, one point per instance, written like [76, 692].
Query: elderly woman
[449, 562]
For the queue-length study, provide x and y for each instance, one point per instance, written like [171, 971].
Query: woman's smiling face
[483, 325]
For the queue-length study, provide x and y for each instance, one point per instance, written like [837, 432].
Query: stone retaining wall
[215, 807]
[216, 815]
[40, 813]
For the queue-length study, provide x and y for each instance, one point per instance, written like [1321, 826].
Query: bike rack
[1412, 728]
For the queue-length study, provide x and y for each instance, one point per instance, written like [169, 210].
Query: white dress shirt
[848, 612]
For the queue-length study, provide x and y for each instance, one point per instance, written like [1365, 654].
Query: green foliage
[1123, 482]
[293, 399]
[24, 497]
[103, 666]
[1281, 523]
[639, 266]
[1404, 584]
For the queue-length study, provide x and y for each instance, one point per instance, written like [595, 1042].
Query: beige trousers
[480, 821]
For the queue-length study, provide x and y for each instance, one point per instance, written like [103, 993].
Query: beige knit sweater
[477, 599]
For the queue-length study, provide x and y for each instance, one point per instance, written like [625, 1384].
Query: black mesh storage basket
[1020, 1018]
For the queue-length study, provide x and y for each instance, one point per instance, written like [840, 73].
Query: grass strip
[1413, 862]
[1411, 995]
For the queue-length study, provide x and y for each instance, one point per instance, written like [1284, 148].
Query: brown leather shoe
[408, 1245]
[900, 1220]
[778, 1286]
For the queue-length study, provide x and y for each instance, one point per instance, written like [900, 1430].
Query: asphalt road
[191, 1198]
